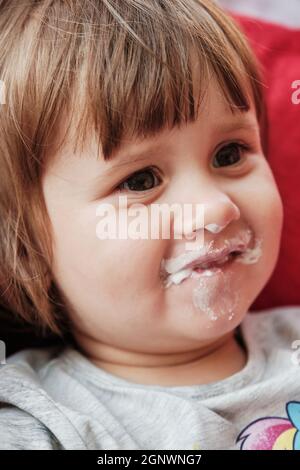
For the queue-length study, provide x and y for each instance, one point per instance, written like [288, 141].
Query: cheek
[126, 265]
[259, 200]
[133, 264]
[82, 259]
[263, 209]
[267, 206]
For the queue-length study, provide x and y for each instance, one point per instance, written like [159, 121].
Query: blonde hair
[120, 67]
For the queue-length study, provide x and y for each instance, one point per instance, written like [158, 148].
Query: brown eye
[140, 181]
[229, 155]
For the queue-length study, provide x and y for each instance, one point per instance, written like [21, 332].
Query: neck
[211, 363]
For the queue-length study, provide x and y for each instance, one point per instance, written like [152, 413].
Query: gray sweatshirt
[55, 398]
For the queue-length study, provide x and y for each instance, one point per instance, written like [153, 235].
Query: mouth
[207, 262]
[203, 269]
[215, 263]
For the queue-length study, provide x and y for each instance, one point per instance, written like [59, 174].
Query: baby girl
[164, 352]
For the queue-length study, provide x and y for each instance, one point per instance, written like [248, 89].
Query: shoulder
[21, 431]
[35, 358]
[34, 402]
[29, 364]
[21, 395]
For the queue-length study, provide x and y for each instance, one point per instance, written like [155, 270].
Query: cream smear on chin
[214, 294]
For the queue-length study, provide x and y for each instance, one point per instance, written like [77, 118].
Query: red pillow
[278, 49]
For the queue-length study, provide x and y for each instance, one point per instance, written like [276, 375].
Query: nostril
[235, 253]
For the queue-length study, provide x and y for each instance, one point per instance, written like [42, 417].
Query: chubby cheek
[100, 278]
[264, 209]
[272, 219]
[118, 293]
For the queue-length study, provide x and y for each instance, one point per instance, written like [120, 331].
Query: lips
[217, 258]
[218, 263]
[208, 259]
[205, 256]
[201, 268]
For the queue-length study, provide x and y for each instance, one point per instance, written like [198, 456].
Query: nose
[218, 211]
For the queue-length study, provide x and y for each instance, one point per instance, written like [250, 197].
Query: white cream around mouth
[174, 270]
[210, 270]
[214, 294]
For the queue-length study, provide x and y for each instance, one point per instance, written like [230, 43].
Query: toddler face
[136, 294]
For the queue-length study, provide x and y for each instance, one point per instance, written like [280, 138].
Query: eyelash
[144, 170]
[242, 148]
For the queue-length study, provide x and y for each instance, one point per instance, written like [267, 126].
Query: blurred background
[286, 12]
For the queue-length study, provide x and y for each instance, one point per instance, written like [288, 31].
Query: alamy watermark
[154, 221]
[296, 94]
